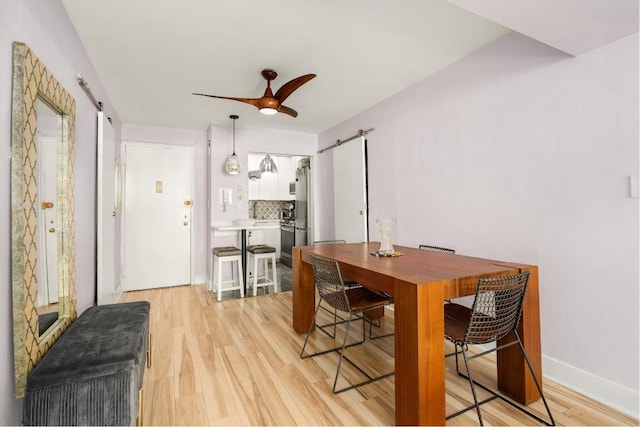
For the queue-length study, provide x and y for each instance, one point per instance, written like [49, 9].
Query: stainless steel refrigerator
[303, 180]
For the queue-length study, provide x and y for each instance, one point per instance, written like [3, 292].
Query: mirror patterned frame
[31, 79]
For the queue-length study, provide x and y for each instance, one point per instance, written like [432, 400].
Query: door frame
[145, 144]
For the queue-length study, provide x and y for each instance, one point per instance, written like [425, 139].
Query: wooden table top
[460, 273]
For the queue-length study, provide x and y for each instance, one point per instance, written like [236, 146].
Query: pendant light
[233, 162]
[267, 165]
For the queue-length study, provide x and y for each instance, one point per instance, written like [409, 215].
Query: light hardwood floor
[236, 362]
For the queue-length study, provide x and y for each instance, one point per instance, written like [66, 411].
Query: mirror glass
[42, 211]
[49, 138]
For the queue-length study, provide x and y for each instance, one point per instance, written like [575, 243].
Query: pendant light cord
[234, 117]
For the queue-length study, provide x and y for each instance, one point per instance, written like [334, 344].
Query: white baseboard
[619, 397]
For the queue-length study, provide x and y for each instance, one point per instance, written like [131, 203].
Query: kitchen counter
[226, 229]
[258, 225]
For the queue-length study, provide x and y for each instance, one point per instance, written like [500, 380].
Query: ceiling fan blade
[287, 110]
[288, 88]
[253, 101]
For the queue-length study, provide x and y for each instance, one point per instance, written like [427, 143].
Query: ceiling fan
[271, 104]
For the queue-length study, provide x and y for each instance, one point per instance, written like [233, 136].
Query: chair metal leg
[535, 379]
[334, 324]
[369, 379]
[472, 382]
[313, 322]
[455, 353]
[341, 350]
[473, 388]
[495, 394]
[344, 346]
[379, 325]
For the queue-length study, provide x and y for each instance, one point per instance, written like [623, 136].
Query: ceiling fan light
[268, 111]
[267, 165]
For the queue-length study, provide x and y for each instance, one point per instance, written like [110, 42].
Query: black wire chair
[347, 282]
[440, 249]
[495, 313]
[437, 249]
[354, 303]
[329, 242]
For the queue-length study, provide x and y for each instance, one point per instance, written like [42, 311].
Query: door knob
[185, 223]
[52, 230]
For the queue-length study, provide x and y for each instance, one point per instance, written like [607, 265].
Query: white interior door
[350, 191]
[156, 215]
[47, 221]
[108, 291]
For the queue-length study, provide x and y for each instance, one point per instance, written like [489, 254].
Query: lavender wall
[45, 27]
[520, 152]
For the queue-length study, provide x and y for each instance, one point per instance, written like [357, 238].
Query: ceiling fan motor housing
[270, 104]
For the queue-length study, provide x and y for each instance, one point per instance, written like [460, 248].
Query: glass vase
[387, 229]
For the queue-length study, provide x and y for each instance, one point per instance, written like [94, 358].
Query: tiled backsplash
[266, 209]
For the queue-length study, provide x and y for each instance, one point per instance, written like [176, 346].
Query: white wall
[45, 27]
[519, 152]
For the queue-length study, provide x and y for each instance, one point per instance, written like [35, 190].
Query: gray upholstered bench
[93, 374]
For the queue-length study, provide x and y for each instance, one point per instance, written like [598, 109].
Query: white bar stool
[227, 254]
[266, 254]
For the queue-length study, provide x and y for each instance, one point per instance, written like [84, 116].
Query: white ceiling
[151, 55]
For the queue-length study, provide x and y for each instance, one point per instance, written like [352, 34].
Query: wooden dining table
[420, 281]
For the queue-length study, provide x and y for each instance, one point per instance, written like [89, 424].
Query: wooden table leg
[304, 292]
[514, 378]
[419, 354]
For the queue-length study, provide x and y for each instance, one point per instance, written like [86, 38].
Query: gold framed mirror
[43, 121]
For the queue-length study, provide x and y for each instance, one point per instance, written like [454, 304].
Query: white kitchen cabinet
[265, 188]
[269, 183]
[286, 172]
[272, 238]
[266, 236]
[255, 237]
[273, 186]
[253, 164]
